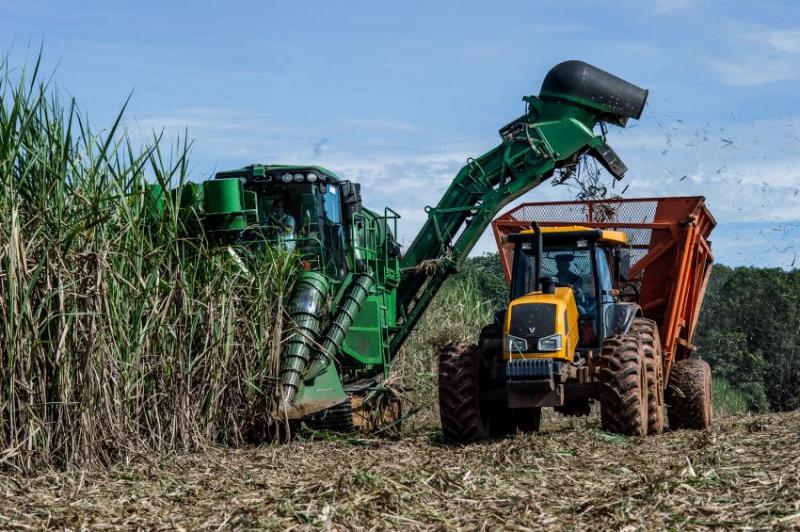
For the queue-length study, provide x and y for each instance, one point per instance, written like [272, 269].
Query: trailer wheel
[459, 394]
[689, 395]
[623, 386]
[651, 344]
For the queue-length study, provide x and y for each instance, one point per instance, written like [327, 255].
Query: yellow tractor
[565, 340]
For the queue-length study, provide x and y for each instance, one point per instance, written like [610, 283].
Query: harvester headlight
[298, 178]
[550, 343]
[515, 344]
[286, 178]
[311, 177]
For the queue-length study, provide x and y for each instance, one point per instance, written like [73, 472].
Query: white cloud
[786, 41]
[753, 69]
[384, 125]
[670, 6]
[759, 56]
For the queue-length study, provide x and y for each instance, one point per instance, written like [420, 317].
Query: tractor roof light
[286, 178]
[311, 177]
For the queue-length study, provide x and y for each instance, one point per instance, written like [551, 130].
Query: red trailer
[670, 254]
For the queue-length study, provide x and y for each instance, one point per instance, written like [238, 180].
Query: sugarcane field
[430, 266]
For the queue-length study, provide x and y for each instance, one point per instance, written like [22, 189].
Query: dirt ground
[742, 473]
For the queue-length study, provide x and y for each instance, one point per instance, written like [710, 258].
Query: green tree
[743, 369]
[749, 331]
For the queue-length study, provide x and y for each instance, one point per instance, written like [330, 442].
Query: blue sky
[398, 95]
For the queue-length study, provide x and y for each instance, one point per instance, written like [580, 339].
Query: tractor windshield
[572, 267]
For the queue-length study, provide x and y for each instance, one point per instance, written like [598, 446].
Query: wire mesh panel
[612, 212]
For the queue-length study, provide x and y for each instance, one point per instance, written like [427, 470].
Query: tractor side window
[524, 267]
[604, 275]
[606, 284]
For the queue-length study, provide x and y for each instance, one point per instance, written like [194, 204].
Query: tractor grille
[531, 368]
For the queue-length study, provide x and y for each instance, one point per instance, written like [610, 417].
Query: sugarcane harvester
[357, 299]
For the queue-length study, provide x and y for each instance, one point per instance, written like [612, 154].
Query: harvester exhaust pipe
[307, 301]
[588, 86]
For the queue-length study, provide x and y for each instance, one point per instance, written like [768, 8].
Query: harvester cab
[307, 210]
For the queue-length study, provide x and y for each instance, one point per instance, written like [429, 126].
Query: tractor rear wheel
[651, 344]
[623, 386]
[689, 395]
[460, 394]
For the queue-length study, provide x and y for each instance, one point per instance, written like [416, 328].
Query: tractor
[582, 326]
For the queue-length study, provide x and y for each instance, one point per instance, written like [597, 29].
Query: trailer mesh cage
[670, 253]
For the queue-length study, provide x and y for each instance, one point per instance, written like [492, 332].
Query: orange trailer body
[670, 253]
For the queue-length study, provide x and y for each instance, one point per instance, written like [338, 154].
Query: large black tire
[465, 415]
[460, 395]
[647, 330]
[623, 386]
[689, 395]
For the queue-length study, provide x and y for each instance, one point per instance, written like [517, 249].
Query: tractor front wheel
[623, 386]
[460, 395]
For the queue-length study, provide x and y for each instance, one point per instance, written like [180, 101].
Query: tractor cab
[576, 272]
[305, 210]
